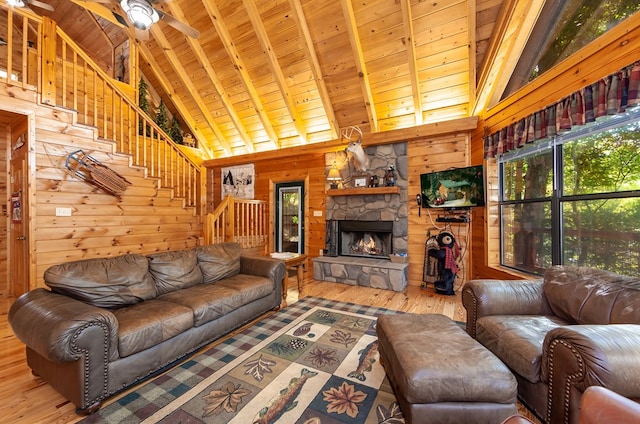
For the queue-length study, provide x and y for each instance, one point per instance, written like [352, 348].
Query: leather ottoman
[440, 374]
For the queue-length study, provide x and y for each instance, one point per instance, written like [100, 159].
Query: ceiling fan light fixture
[141, 14]
[15, 3]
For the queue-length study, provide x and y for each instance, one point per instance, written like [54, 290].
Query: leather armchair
[577, 327]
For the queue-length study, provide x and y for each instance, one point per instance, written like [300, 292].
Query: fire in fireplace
[365, 238]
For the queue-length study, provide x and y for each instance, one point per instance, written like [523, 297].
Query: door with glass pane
[290, 217]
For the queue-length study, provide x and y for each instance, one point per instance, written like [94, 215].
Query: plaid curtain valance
[609, 96]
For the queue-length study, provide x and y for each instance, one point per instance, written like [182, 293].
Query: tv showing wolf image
[453, 188]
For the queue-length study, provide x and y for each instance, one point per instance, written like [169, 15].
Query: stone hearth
[367, 272]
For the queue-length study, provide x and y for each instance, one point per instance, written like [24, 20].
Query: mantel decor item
[360, 180]
[333, 176]
[390, 176]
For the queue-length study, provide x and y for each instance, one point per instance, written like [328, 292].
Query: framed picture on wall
[238, 181]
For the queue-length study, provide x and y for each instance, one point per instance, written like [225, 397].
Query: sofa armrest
[600, 405]
[578, 356]
[502, 297]
[61, 328]
[263, 266]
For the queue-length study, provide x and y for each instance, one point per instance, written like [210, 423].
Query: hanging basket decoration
[83, 166]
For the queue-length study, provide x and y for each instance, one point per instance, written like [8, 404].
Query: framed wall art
[238, 181]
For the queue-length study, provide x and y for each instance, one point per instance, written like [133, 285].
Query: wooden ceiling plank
[182, 108]
[411, 53]
[305, 34]
[234, 56]
[276, 70]
[202, 58]
[356, 47]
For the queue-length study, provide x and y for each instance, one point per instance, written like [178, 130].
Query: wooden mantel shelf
[363, 191]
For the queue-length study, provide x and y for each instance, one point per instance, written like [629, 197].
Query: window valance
[608, 96]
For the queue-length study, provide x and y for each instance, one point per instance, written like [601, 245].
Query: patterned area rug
[315, 361]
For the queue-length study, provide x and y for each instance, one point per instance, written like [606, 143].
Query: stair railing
[69, 78]
[238, 220]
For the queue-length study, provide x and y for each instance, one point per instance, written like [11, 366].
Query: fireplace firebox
[369, 239]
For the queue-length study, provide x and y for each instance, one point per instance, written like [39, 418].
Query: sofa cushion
[219, 261]
[207, 301]
[104, 282]
[251, 287]
[584, 295]
[517, 340]
[149, 323]
[174, 270]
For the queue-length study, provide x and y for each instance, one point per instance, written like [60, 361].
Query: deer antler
[348, 132]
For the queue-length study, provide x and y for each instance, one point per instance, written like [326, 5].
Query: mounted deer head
[354, 136]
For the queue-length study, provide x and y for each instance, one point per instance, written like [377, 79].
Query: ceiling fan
[27, 3]
[142, 15]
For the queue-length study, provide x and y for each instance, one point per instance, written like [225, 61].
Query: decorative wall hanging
[83, 166]
[16, 206]
[238, 181]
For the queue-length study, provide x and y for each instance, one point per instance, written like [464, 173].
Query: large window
[564, 27]
[574, 199]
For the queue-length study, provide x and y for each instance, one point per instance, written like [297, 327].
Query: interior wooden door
[19, 269]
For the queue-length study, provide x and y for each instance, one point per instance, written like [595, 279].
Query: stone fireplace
[365, 230]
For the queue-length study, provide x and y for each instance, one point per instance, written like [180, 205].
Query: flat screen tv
[453, 188]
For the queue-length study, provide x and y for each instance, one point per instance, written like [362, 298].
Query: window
[574, 200]
[563, 28]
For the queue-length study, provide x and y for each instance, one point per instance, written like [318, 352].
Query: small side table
[293, 261]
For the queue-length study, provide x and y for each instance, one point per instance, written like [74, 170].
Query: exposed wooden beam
[515, 23]
[177, 101]
[234, 56]
[276, 70]
[356, 47]
[312, 57]
[472, 18]
[200, 54]
[410, 44]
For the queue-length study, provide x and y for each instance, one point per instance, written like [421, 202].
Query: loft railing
[69, 78]
[239, 220]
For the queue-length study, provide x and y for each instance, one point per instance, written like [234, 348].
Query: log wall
[145, 219]
[4, 215]
[426, 154]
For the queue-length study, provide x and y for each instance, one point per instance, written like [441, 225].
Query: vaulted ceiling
[268, 74]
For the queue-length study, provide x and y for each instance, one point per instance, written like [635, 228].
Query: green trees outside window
[575, 200]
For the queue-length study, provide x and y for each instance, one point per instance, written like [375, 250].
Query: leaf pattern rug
[313, 362]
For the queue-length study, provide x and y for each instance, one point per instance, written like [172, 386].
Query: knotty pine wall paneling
[429, 155]
[5, 136]
[308, 167]
[145, 219]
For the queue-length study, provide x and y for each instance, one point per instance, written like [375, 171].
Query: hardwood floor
[27, 399]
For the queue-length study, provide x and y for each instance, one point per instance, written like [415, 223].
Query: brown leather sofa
[577, 327]
[108, 323]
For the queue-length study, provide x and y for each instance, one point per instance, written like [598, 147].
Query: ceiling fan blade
[179, 25]
[39, 4]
